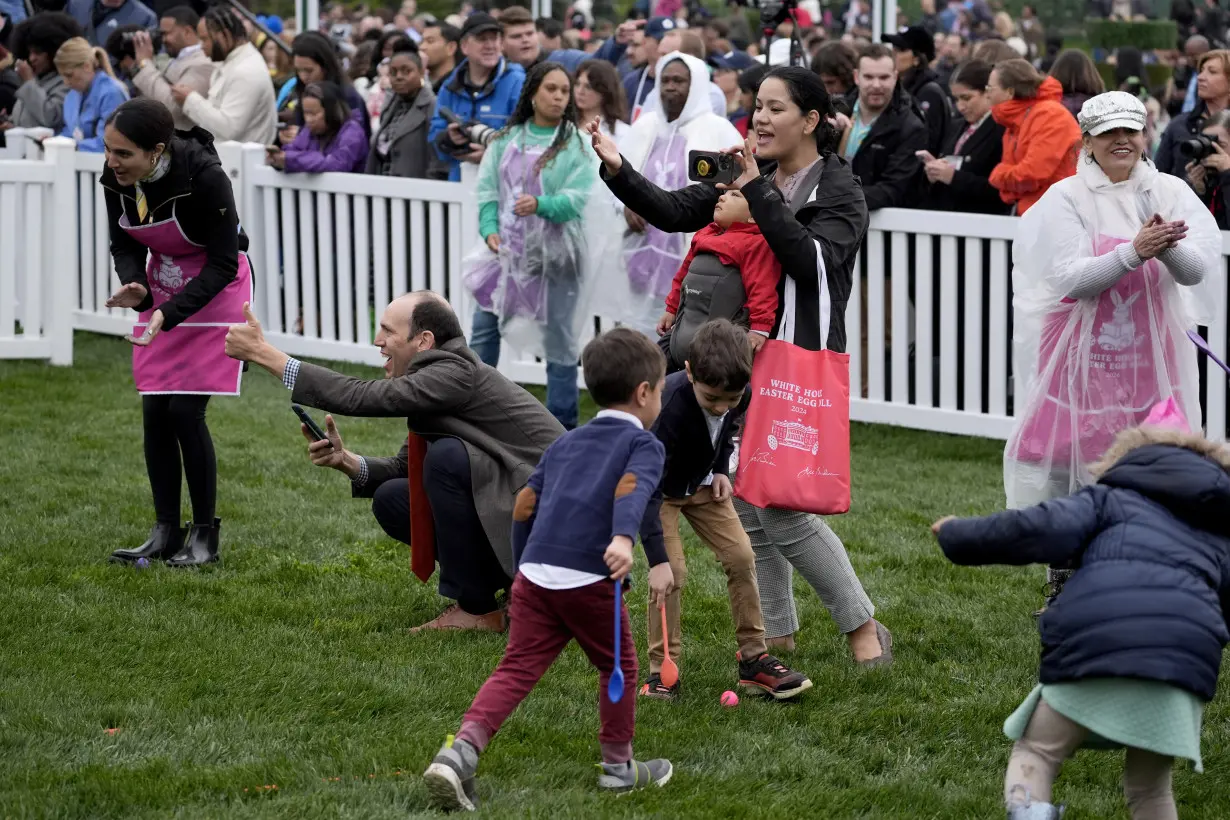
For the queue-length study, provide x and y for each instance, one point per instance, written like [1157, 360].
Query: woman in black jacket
[170, 201]
[811, 211]
[959, 179]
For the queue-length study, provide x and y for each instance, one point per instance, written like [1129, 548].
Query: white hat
[1114, 109]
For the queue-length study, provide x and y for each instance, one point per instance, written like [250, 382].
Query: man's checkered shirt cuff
[290, 373]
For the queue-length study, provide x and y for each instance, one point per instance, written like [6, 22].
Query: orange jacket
[1041, 143]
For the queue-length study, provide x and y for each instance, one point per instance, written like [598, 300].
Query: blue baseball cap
[734, 61]
[656, 27]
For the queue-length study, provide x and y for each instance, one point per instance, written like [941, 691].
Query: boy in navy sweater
[701, 406]
[573, 528]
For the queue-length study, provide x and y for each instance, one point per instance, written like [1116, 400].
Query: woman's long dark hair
[807, 92]
[1077, 74]
[605, 80]
[330, 97]
[319, 49]
[525, 112]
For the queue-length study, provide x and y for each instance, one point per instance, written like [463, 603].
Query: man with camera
[477, 98]
[189, 65]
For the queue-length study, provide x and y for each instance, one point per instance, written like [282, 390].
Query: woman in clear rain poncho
[534, 188]
[1110, 269]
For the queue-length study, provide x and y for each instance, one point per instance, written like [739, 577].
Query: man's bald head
[1196, 45]
[421, 311]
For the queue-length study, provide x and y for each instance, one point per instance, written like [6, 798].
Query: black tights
[174, 424]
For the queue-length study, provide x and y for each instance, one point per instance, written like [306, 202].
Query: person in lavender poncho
[331, 140]
[535, 185]
[657, 146]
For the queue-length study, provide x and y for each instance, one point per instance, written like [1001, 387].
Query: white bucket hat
[1114, 109]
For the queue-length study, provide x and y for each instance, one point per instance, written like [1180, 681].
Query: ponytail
[76, 52]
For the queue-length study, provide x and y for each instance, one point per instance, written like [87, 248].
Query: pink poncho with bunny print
[1089, 366]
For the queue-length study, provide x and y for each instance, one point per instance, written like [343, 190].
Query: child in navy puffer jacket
[1131, 649]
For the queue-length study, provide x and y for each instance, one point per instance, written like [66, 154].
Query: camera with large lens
[120, 44]
[1197, 148]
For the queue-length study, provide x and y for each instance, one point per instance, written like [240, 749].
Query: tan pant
[1051, 738]
[717, 525]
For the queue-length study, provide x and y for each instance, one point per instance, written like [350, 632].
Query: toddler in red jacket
[730, 272]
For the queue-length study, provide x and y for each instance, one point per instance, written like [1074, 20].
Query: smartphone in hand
[310, 423]
[712, 167]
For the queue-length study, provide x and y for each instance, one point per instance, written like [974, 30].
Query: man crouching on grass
[484, 437]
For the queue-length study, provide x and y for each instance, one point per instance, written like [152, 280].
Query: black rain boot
[163, 542]
[201, 547]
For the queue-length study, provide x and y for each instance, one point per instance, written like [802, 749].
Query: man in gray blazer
[189, 65]
[485, 436]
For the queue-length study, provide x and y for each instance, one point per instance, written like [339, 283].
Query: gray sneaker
[626, 777]
[450, 777]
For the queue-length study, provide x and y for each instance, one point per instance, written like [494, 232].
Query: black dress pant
[470, 573]
[174, 425]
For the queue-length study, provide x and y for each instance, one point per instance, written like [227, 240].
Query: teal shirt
[566, 180]
[858, 132]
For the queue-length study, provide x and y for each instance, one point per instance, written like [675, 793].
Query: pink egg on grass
[730, 699]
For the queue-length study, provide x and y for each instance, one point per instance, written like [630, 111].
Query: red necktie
[422, 528]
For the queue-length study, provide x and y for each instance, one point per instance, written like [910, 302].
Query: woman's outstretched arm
[684, 211]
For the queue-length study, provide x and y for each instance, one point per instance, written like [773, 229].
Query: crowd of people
[580, 140]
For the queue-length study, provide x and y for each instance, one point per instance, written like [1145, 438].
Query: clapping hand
[1157, 235]
[180, 92]
[604, 147]
[745, 158]
[151, 330]
[128, 296]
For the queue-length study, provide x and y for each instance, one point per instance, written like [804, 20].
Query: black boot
[201, 547]
[163, 542]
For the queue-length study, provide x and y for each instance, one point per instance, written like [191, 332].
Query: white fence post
[61, 249]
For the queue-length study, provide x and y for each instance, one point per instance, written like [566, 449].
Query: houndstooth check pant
[783, 541]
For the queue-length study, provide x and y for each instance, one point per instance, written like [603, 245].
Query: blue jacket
[89, 114]
[1150, 543]
[98, 22]
[592, 484]
[491, 105]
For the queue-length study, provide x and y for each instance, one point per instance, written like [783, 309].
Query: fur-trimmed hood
[1186, 473]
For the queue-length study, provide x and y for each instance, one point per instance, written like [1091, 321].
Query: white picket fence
[329, 251]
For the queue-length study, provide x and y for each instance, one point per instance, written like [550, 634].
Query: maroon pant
[541, 623]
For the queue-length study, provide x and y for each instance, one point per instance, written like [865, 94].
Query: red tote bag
[794, 453]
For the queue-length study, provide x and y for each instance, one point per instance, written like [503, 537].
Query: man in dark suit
[484, 437]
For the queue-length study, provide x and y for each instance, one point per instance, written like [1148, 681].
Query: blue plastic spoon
[615, 686]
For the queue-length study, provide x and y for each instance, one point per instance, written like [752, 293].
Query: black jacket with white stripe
[815, 238]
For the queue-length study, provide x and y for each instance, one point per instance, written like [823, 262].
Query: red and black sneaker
[654, 688]
[769, 675]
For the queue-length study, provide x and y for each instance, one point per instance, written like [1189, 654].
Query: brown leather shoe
[457, 618]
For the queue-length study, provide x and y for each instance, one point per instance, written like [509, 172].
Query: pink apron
[191, 357]
[1096, 393]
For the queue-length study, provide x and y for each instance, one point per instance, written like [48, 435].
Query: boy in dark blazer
[701, 407]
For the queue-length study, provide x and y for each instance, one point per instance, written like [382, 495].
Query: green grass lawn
[156, 693]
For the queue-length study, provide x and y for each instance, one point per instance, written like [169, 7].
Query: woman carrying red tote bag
[794, 453]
